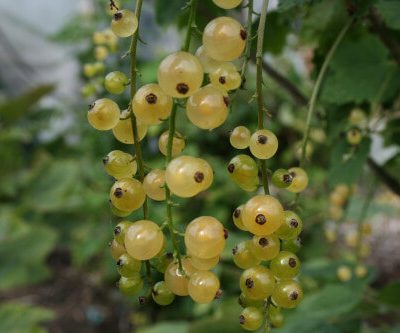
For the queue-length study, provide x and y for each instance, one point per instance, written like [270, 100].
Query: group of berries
[180, 77]
[357, 123]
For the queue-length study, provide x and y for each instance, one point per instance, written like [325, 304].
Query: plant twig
[385, 177]
[247, 49]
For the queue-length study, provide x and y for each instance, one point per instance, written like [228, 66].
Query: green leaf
[289, 4]
[13, 109]
[358, 71]
[389, 10]
[167, 11]
[347, 162]
[173, 326]
[390, 294]
[392, 132]
[23, 318]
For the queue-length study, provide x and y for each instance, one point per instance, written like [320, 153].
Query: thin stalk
[247, 49]
[171, 134]
[317, 87]
[259, 83]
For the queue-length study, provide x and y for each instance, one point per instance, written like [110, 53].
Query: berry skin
[237, 218]
[243, 171]
[281, 178]
[205, 236]
[127, 194]
[344, 273]
[127, 266]
[186, 176]
[287, 294]
[176, 280]
[180, 74]
[226, 77]
[100, 53]
[251, 318]
[115, 82]
[357, 117]
[227, 4]
[266, 247]
[144, 240]
[240, 137]
[89, 70]
[123, 130]
[336, 212]
[161, 294]
[263, 215]
[120, 230]
[275, 317]
[361, 271]
[224, 39]
[130, 285]
[245, 302]
[285, 265]
[203, 286]
[124, 23]
[354, 136]
[178, 144]
[243, 255]
[120, 165]
[154, 184]
[263, 144]
[291, 245]
[337, 199]
[208, 63]
[257, 282]
[300, 180]
[103, 114]
[207, 108]
[343, 190]
[203, 264]
[116, 249]
[151, 105]
[291, 227]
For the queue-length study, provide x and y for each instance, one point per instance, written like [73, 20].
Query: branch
[378, 27]
[385, 177]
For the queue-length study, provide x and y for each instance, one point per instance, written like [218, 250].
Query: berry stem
[317, 87]
[191, 25]
[259, 83]
[249, 23]
[138, 148]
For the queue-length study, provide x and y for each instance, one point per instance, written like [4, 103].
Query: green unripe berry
[251, 318]
[281, 178]
[128, 266]
[130, 285]
[116, 82]
[161, 294]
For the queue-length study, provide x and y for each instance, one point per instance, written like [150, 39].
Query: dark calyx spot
[151, 98]
[218, 294]
[154, 292]
[105, 159]
[91, 106]
[236, 213]
[118, 192]
[120, 263]
[117, 230]
[292, 262]
[142, 300]
[293, 223]
[262, 139]
[182, 88]
[242, 319]
[234, 250]
[243, 34]
[169, 255]
[117, 16]
[231, 167]
[249, 283]
[293, 174]
[198, 177]
[293, 295]
[226, 101]
[287, 178]
[222, 79]
[226, 234]
[263, 242]
[260, 219]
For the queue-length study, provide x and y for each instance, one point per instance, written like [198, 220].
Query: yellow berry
[299, 181]
[203, 286]
[123, 130]
[227, 4]
[240, 137]
[100, 53]
[344, 273]
[178, 144]
[177, 280]
[103, 114]
[119, 164]
[124, 23]
[154, 184]
[127, 194]
[226, 77]
[263, 144]
[208, 63]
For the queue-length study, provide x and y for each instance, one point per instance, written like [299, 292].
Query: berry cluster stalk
[259, 83]
[171, 133]
[138, 148]
[247, 49]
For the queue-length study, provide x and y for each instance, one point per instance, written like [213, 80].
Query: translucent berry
[203, 286]
[178, 144]
[203, 264]
[344, 273]
[243, 255]
[177, 281]
[123, 130]
[205, 236]
[263, 215]
[161, 294]
[103, 114]
[266, 247]
[117, 249]
[208, 63]
[128, 266]
[130, 285]
[285, 265]
[224, 39]
[151, 105]
[251, 318]
[291, 245]
[227, 4]
[100, 53]
[287, 294]
[361, 271]
[120, 230]
[116, 82]
[291, 227]
[275, 317]
[240, 137]
[354, 136]
[207, 108]
[237, 218]
[154, 184]
[127, 194]
[281, 178]
[243, 170]
[119, 164]
[180, 74]
[263, 144]
[144, 240]
[257, 282]
[300, 180]
[124, 23]
[226, 77]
